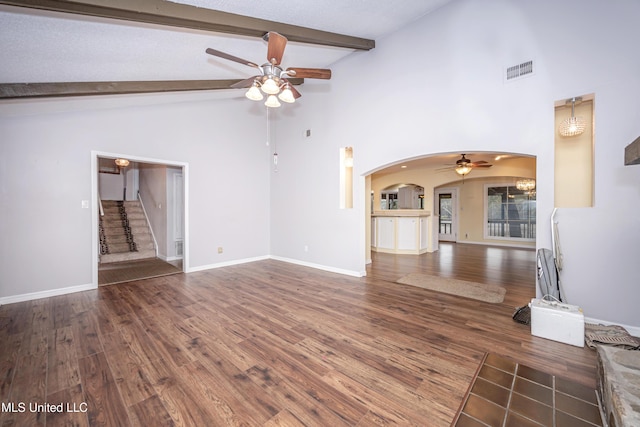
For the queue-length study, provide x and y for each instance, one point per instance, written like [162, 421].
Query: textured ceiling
[369, 19]
[41, 46]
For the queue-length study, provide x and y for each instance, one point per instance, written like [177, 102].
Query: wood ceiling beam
[38, 90]
[163, 12]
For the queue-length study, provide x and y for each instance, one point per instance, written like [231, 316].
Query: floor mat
[463, 288]
[127, 271]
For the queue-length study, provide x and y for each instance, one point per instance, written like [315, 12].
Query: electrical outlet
[220, 250]
[306, 248]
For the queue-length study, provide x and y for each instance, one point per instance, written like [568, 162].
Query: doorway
[446, 201]
[152, 184]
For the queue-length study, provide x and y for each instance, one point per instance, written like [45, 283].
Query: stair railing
[100, 231]
[153, 236]
[100, 205]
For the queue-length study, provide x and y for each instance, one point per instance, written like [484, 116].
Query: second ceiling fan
[463, 165]
[272, 79]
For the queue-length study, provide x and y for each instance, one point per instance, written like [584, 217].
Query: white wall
[437, 86]
[45, 174]
[153, 193]
[110, 186]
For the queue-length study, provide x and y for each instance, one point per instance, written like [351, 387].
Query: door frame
[95, 238]
[454, 212]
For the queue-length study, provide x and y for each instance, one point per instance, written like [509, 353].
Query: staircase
[124, 232]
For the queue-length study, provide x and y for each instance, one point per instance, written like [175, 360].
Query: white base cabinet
[402, 232]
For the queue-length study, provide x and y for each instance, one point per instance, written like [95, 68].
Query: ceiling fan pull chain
[275, 151]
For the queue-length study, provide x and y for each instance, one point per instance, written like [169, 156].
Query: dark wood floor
[272, 344]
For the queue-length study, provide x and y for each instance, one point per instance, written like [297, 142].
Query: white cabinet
[386, 233]
[408, 232]
[407, 235]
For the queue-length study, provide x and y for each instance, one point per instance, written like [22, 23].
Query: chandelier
[271, 83]
[573, 125]
[526, 184]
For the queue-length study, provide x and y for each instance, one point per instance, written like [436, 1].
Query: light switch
[85, 204]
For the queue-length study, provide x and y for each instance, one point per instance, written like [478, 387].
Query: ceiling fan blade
[295, 92]
[311, 73]
[480, 166]
[244, 83]
[275, 50]
[479, 162]
[231, 57]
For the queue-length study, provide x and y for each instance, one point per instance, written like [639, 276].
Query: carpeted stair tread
[124, 234]
[119, 247]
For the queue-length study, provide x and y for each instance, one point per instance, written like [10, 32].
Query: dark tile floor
[505, 393]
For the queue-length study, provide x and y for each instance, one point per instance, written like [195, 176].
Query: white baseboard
[320, 266]
[46, 294]
[633, 330]
[278, 258]
[225, 264]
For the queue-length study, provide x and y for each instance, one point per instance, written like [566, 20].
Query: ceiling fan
[272, 79]
[463, 165]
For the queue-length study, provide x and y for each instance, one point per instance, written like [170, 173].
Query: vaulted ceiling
[78, 47]
[93, 47]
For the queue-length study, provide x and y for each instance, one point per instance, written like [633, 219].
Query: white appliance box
[557, 321]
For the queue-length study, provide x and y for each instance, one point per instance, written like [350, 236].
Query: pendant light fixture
[526, 184]
[572, 126]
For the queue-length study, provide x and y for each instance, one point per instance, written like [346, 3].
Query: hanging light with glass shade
[526, 184]
[572, 126]
[463, 169]
[254, 93]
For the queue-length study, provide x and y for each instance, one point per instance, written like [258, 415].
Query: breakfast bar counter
[403, 231]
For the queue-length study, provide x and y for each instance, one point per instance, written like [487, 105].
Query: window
[510, 213]
[389, 200]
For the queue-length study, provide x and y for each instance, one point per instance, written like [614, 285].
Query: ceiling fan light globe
[254, 94]
[287, 96]
[272, 102]
[270, 87]
[463, 169]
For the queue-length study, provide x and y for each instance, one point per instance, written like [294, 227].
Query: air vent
[520, 70]
[179, 247]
